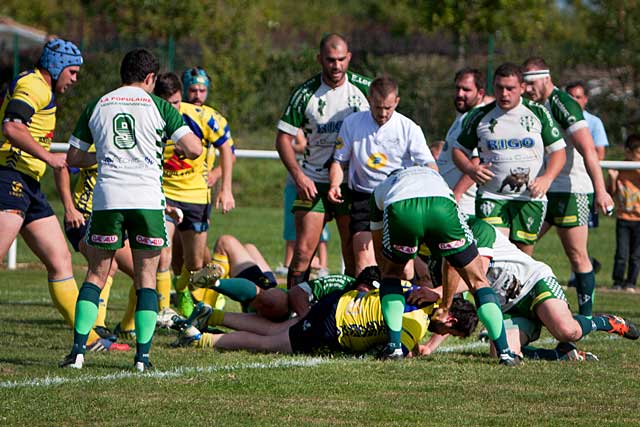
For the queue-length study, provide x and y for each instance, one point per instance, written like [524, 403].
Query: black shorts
[360, 211]
[75, 235]
[196, 216]
[317, 331]
[22, 194]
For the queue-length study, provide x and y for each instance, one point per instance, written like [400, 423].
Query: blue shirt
[597, 129]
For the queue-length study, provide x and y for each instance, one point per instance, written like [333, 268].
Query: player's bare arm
[225, 200]
[336, 175]
[583, 141]
[19, 136]
[72, 217]
[190, 145]
[480, 173]
[305, 186]
[80, 159]
[465, 182]
[555, 161]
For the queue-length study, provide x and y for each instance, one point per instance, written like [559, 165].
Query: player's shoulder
[360, 81]
[538, 109]
[476, 114]
[564, 108]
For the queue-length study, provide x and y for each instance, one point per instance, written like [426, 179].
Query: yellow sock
[210, 297]
[207, 340]
[183, 281]
[64, 294]
[128, 320]
[216, 318]
[104, 301]
[223, 261]
[163, 286]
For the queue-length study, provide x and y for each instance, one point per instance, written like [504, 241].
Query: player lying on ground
[347, 322]
[273, 303]
[530, 297]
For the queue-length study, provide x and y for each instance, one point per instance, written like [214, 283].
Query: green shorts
[434, 221]
[523, 315]
[145, 228]
[322, 204]
[522, 218]
[569, 209]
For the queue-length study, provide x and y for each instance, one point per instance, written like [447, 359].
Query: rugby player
[521, 153]
[415, 206]
[28, 113]
[319, 107]
[349, 322]
[580, 181]
[127, 127]
[531, 297]
[371, 145]
[469, 94]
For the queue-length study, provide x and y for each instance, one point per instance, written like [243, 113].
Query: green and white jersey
[448, 168]
[567, 112]
[319, 110]
[323, 286]
[512, 273]
[128, 127]
[514, 142]
[410, 183]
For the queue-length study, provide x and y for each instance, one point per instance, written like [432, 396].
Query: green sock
[585, 286]
[540, 353]
[392, 302]
[587, 325]
[86, 315]
[241, 290]
[145, 319]
[490, 315]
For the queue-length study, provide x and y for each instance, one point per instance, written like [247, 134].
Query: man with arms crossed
[319, 106]
[572, 193]
[515, 137]
[127, 127]
[372, 144]
[469, 94]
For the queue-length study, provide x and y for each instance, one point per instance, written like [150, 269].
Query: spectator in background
[625, 187]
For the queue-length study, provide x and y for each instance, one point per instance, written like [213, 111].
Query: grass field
[460, 385]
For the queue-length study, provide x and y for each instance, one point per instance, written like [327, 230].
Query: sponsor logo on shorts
[16, 189]
[406, 249]
[528, 236]
[98, 238]
[149, 241]
[493, 220]
[565, 219]
[452, 245]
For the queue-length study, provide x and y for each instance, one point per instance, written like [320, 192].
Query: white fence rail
[58, 147]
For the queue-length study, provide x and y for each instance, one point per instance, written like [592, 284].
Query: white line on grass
[172, 373]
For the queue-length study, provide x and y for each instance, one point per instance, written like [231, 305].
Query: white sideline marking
[479, 344]
[172, 373]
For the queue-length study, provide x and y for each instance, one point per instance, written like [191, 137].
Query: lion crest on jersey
[487, 207]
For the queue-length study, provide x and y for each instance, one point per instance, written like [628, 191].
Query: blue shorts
[196, 216]
[289, 233]
[21, 194]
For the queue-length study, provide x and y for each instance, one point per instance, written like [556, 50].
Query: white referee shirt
[374, 151]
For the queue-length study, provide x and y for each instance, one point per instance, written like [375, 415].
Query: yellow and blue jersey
[222, 131]
[361, 326]
[31, 89]
[83, 190]
[185, 180]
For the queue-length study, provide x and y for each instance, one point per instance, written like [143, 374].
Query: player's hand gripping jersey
[129, 162]
[319, 110]
[33, 104]
[573, 178]
[514, 142]
[185, 180]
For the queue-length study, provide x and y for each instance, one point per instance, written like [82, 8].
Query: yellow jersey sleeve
[184, 180]
[83, 190]
[32, 89]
